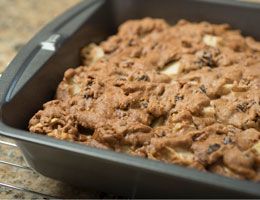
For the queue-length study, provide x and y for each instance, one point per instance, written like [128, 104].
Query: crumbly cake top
[186, 94]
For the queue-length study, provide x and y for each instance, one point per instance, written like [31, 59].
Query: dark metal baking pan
[32, 77]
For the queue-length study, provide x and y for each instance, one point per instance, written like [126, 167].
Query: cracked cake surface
[186, 94]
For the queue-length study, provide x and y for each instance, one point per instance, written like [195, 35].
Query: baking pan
[32, 77]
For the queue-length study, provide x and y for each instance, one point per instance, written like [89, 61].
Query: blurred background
[21, 19]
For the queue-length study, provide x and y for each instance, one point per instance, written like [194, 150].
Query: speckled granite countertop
[19, 21]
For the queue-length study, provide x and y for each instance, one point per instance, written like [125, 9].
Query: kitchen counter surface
[19, 21]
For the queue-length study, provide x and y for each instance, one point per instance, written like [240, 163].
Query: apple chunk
[172, 69]
[211, 40]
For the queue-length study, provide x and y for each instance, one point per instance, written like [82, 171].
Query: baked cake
[187, 94]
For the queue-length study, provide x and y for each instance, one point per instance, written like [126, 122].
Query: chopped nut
[39, 125]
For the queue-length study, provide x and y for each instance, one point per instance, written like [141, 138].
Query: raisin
[227, 140]
[144, 104]
[206, 58]
[131, 42]
[85, 130]
[242, 107]
[90, 82]
[213, 147]
[88, 95]
[186, 44]
[143, 77]
[256, 118]
[178, 97]
[203, 89]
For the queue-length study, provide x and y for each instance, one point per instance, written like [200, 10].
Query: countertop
[19, 21]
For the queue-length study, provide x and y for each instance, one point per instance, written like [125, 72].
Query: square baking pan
[32, 78]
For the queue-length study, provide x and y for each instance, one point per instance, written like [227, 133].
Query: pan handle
[34, 62]
[40, 49]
